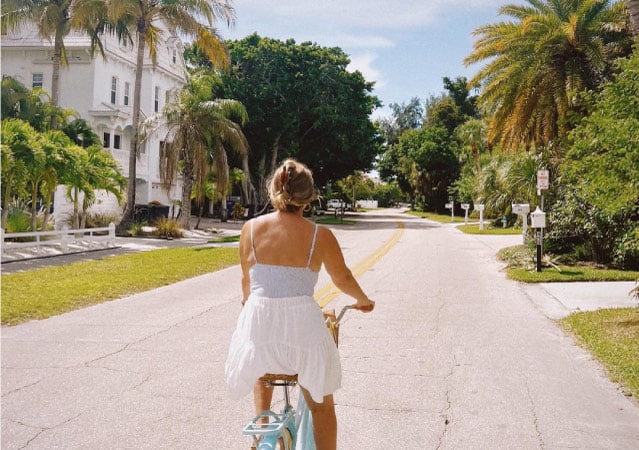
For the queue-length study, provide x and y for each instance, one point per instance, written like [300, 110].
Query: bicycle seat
[278, 377]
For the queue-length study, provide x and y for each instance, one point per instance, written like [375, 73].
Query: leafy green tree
[539, 64]
[427, 160]
[403, 117]
[302, 103]
[355, 186]
[21, 154]
[387, 194]
[142, 19]
[199, 133]
[598, 209]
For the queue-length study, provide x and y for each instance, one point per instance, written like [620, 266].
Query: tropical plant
[143, 18]
[31, 105]
[599, 202]
[54, 20]
[540, 63]
[199, 133]
[22, 155]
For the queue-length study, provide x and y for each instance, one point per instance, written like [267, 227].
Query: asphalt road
[453, 357]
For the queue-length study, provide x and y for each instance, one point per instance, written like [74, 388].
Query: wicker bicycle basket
[332, 324]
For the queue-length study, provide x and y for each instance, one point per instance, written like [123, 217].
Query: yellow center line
[328, 293]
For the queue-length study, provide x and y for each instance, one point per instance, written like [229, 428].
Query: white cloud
[364, 63]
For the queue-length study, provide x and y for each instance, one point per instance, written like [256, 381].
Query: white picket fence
[49, 243]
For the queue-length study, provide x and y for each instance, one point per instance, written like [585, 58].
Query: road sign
[543, 180]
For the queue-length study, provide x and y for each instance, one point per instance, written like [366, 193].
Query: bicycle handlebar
[343, 311]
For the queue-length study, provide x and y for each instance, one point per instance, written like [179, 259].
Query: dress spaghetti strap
[252, 244]
[310, 254]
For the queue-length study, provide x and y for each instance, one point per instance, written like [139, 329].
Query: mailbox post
[480, 207]
[451, 206]
[538, 221]
[522, 209]
[465, 207]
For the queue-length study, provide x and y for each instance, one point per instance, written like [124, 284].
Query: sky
[405, 46]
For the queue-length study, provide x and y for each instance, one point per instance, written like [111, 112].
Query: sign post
[465, 207]
[480, 207]
[451, 206]
[522, 209]
[538, 221]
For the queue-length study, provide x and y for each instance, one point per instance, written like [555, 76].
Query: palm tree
[633, 11]
[21, 154]
[199, 133]
[540, 63]
[182, 17]
[54, 19]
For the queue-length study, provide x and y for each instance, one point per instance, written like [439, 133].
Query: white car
[334, 204]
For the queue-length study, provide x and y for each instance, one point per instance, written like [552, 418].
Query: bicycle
[282, 431]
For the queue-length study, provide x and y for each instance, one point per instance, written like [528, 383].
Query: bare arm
[246, 256]
[340, 274]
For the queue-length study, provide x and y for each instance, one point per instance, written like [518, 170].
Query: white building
[101, 91]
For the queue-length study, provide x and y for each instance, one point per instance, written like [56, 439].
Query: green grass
[224, 239]
[441, 218]
[331, 220]
[612, 335]
[41, 293]
[522, 267]
[473, 228]
[570, 273]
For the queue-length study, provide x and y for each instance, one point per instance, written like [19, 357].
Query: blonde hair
[291, 186]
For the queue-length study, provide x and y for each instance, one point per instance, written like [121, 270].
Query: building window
[114, 90]
[174, 56]
[107, 140]
[156, 104]
[116, 141]
[127, 88]
[36, 80]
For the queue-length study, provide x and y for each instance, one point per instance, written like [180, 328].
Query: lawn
[522, 267]
[441, 218]
[612, 335]
[41, 293]
[473, 228]
[332, 220]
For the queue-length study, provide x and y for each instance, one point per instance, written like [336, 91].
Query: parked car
[334, 203]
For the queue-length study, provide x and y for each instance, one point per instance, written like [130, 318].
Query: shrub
[167, 228]
[135, 229]
[100, 220]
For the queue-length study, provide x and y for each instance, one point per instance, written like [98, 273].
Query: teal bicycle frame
[286, 428]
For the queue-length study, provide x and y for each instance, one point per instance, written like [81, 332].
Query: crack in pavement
[446, 412]
[533, 411]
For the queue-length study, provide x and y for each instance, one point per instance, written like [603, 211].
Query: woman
[281, 329]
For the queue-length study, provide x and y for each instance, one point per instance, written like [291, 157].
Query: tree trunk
[129, 209]
[248, 189]
[633, 11]
[276, 148]
[76, 212]
[187, 187]
[55, 77]
[7, 188]
[34, 209]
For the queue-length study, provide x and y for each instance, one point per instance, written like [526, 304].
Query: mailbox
[538, 218]
[521, 209]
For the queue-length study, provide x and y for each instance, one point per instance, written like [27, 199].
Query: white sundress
[281, 330]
